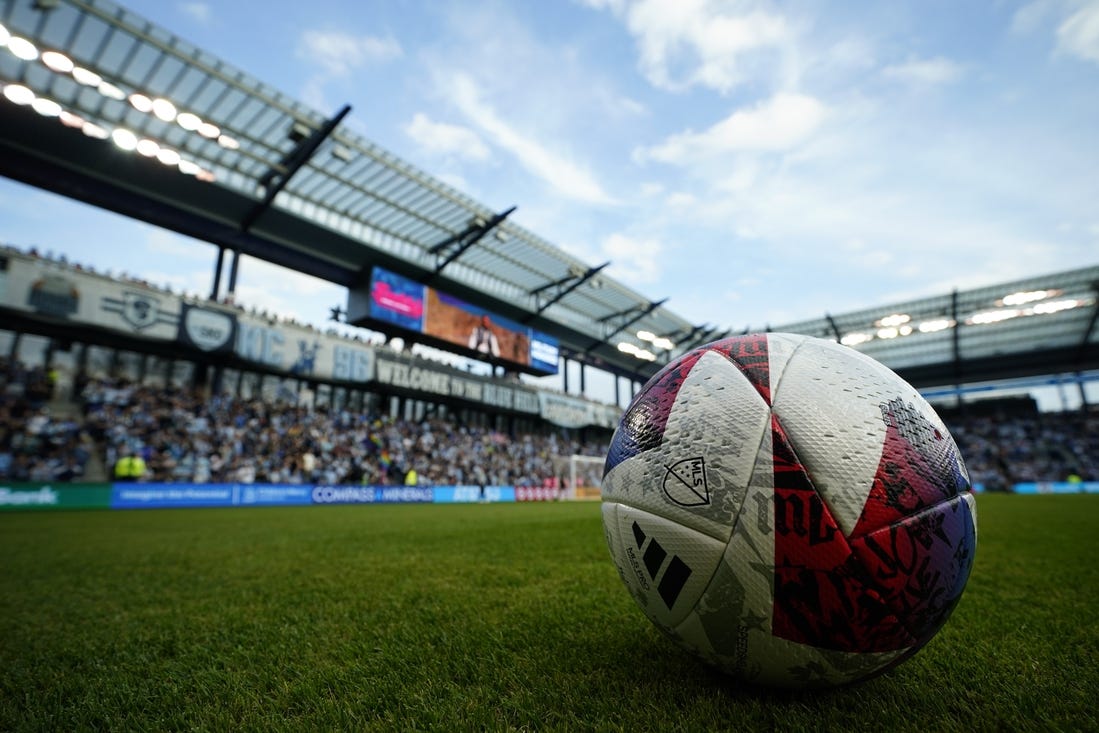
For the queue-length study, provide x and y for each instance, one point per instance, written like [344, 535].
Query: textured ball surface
[788, 509]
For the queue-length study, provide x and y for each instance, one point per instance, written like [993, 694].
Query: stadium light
[58, 62]
[18, 94]
[167, 156]
[21, 48]
[141, 103]
[1028, 296]
[86, 77]
[646, 335]
[1055, 306]
[124, 138]
[627, 348]
[227, 142]
[4, 36]
[854, 339]
[148, 148]
[661, 342]
[108, 89]
[164, 109]
[894, 320]
[93, 130]
[888, 333]
[209, 130]
[189, 121]
[68, 119]
[938, 324]
[46, 107]
[986, 317]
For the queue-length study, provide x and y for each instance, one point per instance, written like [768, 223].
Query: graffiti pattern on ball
[892, 583]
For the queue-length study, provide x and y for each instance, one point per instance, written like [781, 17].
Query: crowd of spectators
[184, 435]
[1003, 450]
[36, 445]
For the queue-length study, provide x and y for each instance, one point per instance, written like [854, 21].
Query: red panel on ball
[822, 597]
[751, 356]
[919, 468]
[921, 564]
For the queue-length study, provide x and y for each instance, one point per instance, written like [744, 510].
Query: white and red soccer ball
[788, 509]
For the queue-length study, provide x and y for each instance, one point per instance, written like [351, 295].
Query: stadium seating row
[182, 435]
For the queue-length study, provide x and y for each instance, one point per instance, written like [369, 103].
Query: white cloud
[266, 286]
[633, 260]
[684, 43]
[924, 72]
[777, 124]
[613, 5]
[567, 177]
[199, 12]
[189, 283]
[1078, 35]
[444, 139]
[457, 182]
[164, 242]
[1030, 16]
[680, 200]
[315, 95]
[340, 53]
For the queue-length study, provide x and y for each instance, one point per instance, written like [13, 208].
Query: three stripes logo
[676, 572]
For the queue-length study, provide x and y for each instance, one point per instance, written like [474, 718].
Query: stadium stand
[79, 430]
[184, 436]
[36, 443]
[1003, 450]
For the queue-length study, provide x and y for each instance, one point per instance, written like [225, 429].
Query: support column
[215, 290]
[233, 266]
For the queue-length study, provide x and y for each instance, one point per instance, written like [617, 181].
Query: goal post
[582, 475]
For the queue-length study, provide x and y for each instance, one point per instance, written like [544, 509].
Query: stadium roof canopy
[1044, 325]
[105, 107]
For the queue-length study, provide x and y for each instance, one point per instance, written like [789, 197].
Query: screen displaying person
[482, 338]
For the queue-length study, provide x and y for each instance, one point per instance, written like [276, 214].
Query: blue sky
[757, 163]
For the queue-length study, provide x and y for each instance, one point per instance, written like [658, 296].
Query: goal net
[582, 476]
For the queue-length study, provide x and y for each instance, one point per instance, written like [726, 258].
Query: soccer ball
[788, 509]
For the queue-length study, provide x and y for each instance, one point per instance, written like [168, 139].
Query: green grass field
[482, 617]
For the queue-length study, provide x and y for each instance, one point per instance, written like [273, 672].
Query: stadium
[336, 530]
